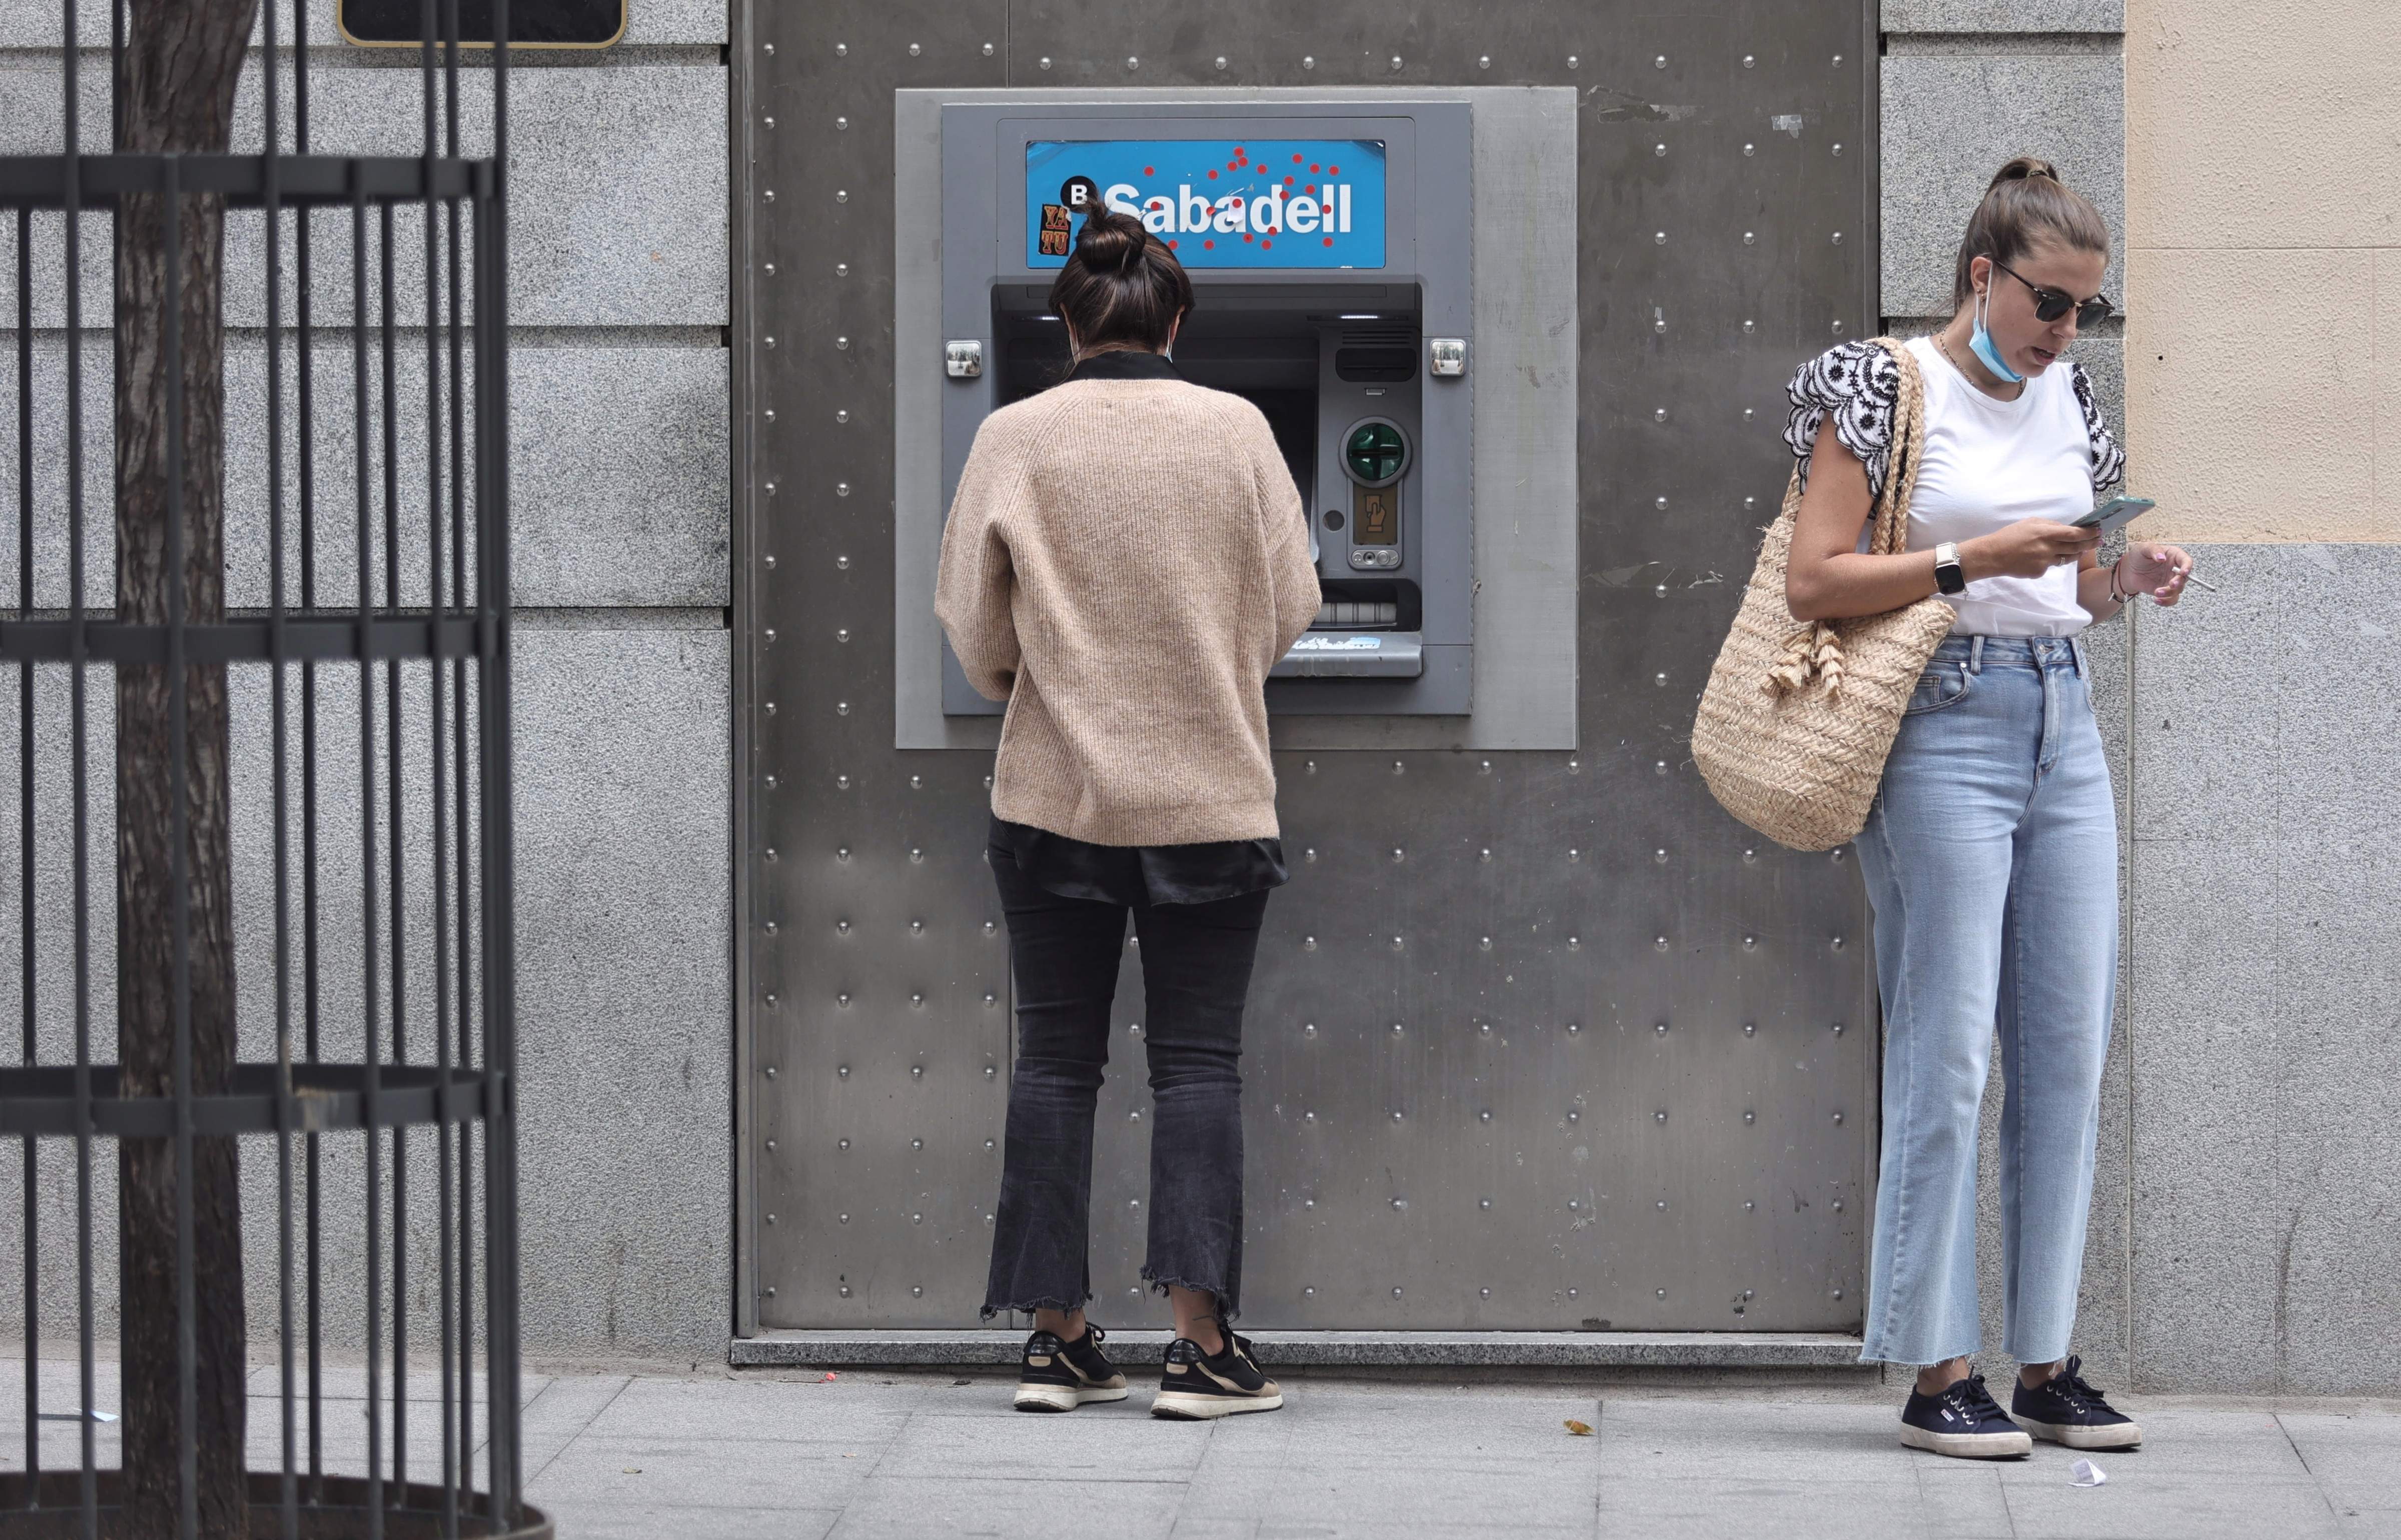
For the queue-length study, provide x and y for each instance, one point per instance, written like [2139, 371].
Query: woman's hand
[2026, 549]
[2158, 570]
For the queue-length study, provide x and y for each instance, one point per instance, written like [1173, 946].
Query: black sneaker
[1194, 1385]
[1056, 1376]
[1962, 1420]
[2066, 1411]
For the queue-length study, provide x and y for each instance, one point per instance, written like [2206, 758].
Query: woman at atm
[1126, 559]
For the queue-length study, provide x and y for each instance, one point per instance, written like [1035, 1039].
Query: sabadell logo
[1305, 201]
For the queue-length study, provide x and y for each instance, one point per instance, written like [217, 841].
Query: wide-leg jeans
[1990, 858]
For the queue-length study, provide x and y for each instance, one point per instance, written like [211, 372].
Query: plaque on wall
[532, 24]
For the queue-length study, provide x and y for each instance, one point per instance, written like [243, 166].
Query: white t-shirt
[1987, 463]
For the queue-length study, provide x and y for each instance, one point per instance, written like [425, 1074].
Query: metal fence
[419, 662]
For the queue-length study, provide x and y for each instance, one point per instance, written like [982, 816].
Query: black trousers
[1196, 966]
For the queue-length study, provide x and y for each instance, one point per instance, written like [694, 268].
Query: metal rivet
[1838, 857]
[1747, 1206]
[771, 1144]
[1660, 238]
[1574, 854]
[1660, 768]
[916, 782]
[1486, 1028]
[1660, 679]
[843, 1000]
[1838, 61]
[914, 50]
[771, 854]
[1398, 854]
[1399, 769]
[1660, 63]
[918, 1001]
[1838, 1293]
[1838, 238]
[1659, 857]
[1396, 62]
[771, 47]
[1045, 61]
[1131, 63]
[1748, 326]
[1660, 504]
[842, 194]
[1484, 62]
[1309, 944]
[1574, 1116]
[1838, 1118]
[987, 1144]
[770, 340]
[1397, 1115]
[1571, 1293]
[1838, 1205]
[1658, 149]
[768, 196]
[1750, 858]
[769, 560]
[842, 708]
[1399, 1202]
[1661, 943]
[1750, 149]
[1398, 1029]
[1573, 1204]
[1573, 63]
[1573, 943]
[1659, 1117]
[1838, 1029]
[1748, 62]
[1661, 590]
[1484, 1117]
[1221, 61]
[1750, 1028]
[1308, 1294]
[1308, 61]
[1484, 854]
[1397, 944]
[1751, 1117]
[1484, 944]
[768, 122]
[1838, 149]
[1573, 1028]
[841, 633]
[843, 926]
[917, 1218]
[1661, 1028]
[1838, 944]
[1484, 767]
[1308, 1028]
[988, 51]
[1308, 852]
[840, 48]
[771, 1072]
[1485, 1293]
[1750, 942]
[1308, 766]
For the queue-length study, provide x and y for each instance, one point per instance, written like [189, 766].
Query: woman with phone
[1991, 851]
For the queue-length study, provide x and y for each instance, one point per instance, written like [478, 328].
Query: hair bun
[2024, 168]
[1109, 240]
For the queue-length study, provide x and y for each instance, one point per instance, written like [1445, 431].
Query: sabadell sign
[1216, 202]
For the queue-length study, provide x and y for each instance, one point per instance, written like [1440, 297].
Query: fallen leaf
[1582, 1430]
[632, 1470]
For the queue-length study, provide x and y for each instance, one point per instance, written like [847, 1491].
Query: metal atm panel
[1328, 336]
[1669, 1024]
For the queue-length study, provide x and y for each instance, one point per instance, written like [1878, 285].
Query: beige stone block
[2263, 122]
[2388, 393]
[2252, 394]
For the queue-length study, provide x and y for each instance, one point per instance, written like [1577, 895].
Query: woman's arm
[1827, 578]
[973, 589]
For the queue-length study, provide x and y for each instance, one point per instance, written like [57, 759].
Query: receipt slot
[1328, 247]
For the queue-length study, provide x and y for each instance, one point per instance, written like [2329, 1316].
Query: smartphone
[2116, 514]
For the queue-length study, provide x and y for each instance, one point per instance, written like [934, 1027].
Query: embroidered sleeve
[1858, 383]
[2109, 460]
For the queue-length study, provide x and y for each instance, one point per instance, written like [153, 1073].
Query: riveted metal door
[1537, 1039]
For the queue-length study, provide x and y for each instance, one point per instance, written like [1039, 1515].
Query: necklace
[1942, 346]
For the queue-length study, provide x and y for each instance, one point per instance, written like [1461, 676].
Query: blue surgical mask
[1981, 340]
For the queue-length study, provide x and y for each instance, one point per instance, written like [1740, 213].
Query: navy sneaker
[1194, 1385]
[1057, 1376]
[1962, 1420]
[2066, 1411]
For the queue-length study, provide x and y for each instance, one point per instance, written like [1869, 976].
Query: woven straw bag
[1798, 718]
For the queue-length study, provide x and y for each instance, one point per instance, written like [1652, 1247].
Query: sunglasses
[2051, 304]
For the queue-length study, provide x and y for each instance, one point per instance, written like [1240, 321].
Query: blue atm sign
[1216, 202]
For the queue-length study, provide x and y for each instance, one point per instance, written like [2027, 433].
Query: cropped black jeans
[1196, 968]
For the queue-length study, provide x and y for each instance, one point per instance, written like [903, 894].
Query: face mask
[1981, 341]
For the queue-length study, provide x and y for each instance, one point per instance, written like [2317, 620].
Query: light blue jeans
[1991, 856]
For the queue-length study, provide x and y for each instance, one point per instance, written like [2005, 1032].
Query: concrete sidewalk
[795, 1454]
[880, 1452]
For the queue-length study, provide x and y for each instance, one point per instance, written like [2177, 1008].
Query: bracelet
[2115, 596]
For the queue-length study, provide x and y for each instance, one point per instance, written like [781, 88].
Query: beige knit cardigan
[1124, 562]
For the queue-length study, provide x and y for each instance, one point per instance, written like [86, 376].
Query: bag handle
[1891, 510]
[1815, 649]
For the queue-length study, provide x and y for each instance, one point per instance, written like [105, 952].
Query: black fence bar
[312, 639]
[40, 181]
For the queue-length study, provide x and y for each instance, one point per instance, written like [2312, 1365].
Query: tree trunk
[181, 61]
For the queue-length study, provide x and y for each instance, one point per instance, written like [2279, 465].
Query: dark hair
[2026, 203]
[1121, 286]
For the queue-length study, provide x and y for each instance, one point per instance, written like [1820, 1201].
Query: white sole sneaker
[1968, 1446]
[1178, 1406]
[2076, 1436]
[1063, 1397]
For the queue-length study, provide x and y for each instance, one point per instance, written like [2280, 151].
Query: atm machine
[1329, 248]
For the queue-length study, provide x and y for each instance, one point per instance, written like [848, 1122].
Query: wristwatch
[1949, 575]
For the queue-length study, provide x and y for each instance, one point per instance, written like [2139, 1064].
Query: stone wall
[619, 388]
